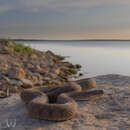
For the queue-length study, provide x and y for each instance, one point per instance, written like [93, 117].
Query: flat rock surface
[111, 112]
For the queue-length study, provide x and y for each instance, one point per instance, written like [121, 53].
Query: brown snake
[58, 103]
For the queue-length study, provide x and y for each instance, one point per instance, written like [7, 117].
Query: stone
[15, 83]
[4, 77]
[87, 83]
[39, 67]
[3, 85]
[56, 71]
[26, 83]
[4, 50]
[3, 94]
[53, 76]
[33, 56]
[16, 73]
[13, 89]
[78, 66]
[80, 74]
[40, 83]
[29, 66]
[1, 76]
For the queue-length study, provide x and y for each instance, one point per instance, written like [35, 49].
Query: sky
[65, 19]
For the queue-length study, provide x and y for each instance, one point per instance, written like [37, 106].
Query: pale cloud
[58, 5]
[40, 5]
[64, 18]
[5, 8]
[69, 3]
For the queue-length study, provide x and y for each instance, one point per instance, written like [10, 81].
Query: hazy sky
[65, 19]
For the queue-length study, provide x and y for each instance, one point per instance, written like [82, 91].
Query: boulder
[88, 83]
[3, 94]
[15, 83]
[26, 83]
[16, 73]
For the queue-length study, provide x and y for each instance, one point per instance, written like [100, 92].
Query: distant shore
[71, 40]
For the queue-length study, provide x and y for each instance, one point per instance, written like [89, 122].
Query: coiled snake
[58, 103]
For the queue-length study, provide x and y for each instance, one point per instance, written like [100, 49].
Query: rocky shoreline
[28, 68]
[22, 67]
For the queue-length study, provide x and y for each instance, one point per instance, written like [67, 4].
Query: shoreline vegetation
[23, 67]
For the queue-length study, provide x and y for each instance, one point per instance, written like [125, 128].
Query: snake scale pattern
[59, 103]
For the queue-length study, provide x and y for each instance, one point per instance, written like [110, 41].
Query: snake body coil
[57, 103]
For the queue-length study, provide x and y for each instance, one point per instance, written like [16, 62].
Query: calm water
[96, 58]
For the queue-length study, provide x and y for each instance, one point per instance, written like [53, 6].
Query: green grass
[19, 48]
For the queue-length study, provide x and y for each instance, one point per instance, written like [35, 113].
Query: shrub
[19, 48]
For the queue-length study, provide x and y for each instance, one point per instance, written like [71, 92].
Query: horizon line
[71, 40]
[22, 39]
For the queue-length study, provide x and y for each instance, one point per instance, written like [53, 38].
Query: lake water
[96, 57]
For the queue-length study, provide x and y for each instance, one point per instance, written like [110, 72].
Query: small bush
[19, 48]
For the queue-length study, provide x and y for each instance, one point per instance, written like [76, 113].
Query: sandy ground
[112, 112]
